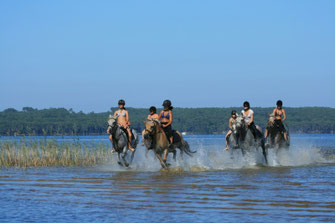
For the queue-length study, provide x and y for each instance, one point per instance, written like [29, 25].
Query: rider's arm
[284, 115]
[171, 119]
[274, 111]
[160, 115]
[127, 117]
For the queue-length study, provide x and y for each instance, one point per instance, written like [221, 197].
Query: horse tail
[185, 146]
[187, 149]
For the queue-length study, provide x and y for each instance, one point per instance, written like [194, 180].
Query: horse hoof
[120, 163]
[126, 164]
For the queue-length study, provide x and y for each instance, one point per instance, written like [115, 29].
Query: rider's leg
[228, 134]
[169, 130]
[282, 130]
[253, 129]
[143, 137]
[111, 139]
[129, 140]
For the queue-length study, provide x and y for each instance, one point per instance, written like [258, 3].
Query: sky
[86, 55]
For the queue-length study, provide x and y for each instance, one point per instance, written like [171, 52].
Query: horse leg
[174, 155]
[132, 157]
[161, 161]
[146, 152]
[243, 151]
[182, 153]
[166, 152]
[119, 160]
[264, 151]
[124, 153]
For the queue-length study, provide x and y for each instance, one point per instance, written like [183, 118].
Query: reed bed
[47, 153]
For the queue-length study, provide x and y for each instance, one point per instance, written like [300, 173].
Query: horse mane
[153, 120]
[111, 117]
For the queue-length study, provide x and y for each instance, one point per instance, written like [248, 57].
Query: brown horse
[160, 144]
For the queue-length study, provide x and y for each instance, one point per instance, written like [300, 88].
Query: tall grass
[47, 153]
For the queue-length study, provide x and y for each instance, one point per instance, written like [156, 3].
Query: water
[213, 186]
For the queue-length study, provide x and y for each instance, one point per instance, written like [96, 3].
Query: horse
[156, 139]
[276, 137]
[242, 137]
[120, 141]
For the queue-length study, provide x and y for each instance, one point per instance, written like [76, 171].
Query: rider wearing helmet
[280, 116]
[153, 115]
[166, 117]
[230, 125]
[248, 116]
[123, 121]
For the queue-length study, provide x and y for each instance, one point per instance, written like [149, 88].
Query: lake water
[212, 186]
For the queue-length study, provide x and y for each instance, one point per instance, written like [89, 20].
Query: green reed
[48, 152]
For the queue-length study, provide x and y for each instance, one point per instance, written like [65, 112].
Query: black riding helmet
[246, 104]
[233, 112]
[279, 103]
[121, 102]
[153, 109]
[166, 103]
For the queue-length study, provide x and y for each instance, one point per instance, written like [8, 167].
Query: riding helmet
[279, 103]
[246, 104]
[167, 103]
[153, 109]
[121, 102]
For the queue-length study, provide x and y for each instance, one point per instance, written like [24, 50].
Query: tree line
[60, 121]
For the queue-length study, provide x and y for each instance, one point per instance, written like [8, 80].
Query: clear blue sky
[86, 55]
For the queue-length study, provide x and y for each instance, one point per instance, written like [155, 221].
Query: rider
[123, 121]
[280, 117]
[153, 115]
[248, 116]
[230, 124]
[166, 118]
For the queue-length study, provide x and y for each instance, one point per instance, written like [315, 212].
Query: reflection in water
[91, 194]
[209, 187]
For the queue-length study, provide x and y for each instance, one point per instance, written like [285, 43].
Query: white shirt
[247, 118]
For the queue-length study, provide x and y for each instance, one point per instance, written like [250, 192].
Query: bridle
[150, 132]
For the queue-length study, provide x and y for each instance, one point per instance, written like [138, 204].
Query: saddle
[126, 132]
[175, 136]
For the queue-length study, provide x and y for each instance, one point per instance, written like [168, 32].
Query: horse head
[112, 120]
[271, 120]
[239, 122]
[150, 127]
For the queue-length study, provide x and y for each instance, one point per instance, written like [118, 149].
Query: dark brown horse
[275, 136]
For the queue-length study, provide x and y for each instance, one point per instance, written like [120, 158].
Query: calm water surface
[213, 186]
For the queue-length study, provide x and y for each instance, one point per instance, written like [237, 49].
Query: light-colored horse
[276, 138]
[242, 137]
[155, 138]
[120, 141]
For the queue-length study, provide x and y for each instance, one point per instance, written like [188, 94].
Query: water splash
[214, 158]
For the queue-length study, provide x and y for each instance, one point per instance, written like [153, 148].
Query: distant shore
[193, 121]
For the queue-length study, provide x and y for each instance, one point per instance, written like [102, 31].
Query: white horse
[120, 141]
[242, 137]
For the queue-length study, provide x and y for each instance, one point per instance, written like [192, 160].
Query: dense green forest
[60, 121]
